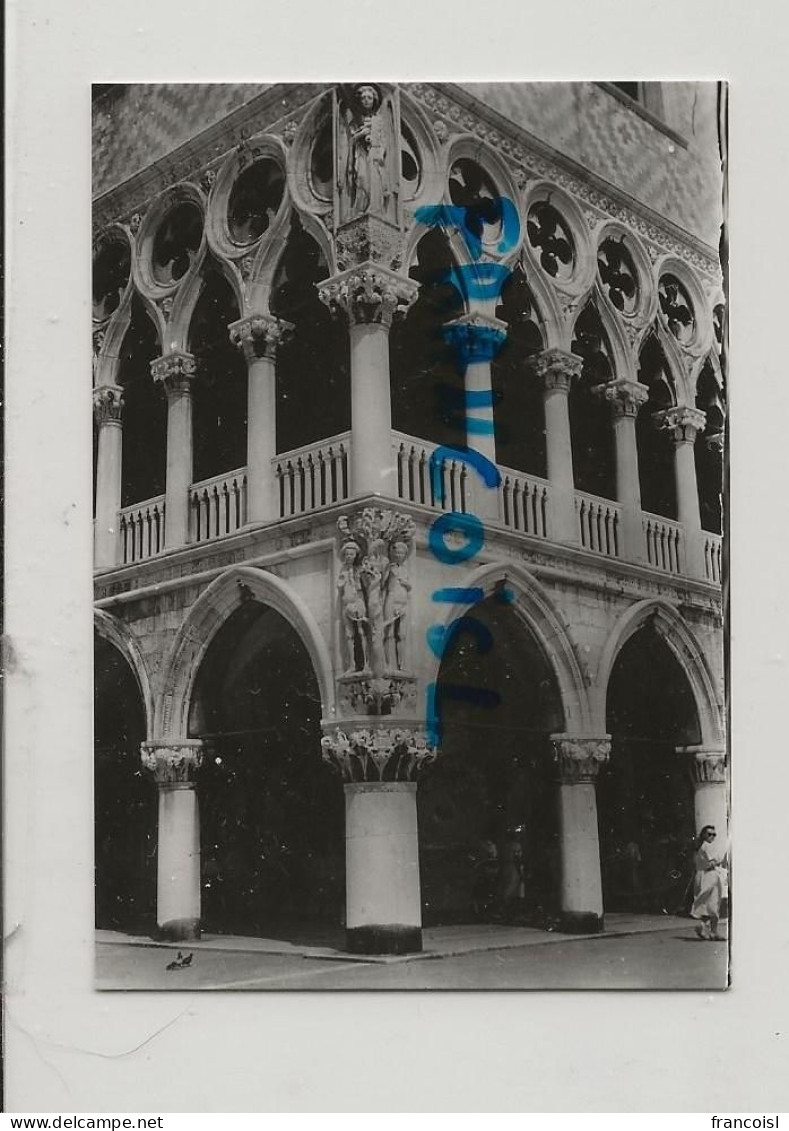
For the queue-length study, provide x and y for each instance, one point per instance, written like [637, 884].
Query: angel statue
[368, 153]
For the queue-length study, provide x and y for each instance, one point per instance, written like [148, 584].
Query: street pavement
[644, 953]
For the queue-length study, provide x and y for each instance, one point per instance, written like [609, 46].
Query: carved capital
[476, 337]
[259, 335]
[107, 404]
[716, 442]
[378, 753]
[173, 763]
[557, 369]
[625, 397]
[175, 371]
[683, 422]
[707, 766]
[579, 759]
[368, 294]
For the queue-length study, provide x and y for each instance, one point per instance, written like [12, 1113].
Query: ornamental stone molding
[173, 763]
[625, 397]
[378, 753]
[259, 335]
[683, 422]
[369, 294]
[579, 759]
[175, 370]
[557, 369]
[107, 404]
[707, 766]
[476, 337]
[391, 693]
[368, 239]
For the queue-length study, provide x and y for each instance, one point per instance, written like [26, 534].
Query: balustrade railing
[141, 530]
[314, 476]
[524, 502]
[713, 551]
[599, 524]
[664, 543]
[416, 482]
[218, 506]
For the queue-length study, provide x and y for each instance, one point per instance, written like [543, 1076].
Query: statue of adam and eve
[374, 597]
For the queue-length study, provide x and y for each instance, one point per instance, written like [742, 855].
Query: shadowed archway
[272, 818]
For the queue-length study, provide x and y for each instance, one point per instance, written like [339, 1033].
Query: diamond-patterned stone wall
[588, 124]
[135, 125]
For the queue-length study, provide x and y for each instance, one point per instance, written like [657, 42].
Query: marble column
[626, 398]
[578, 761]
[379, 766]
[710, 789]
[107, 413]
[174, 765]
[557, 370]
[476, 338]
[259, 336]
[370, 296]
[684, 424]
[176, 372]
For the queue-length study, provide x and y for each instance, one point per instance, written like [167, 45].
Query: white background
[69, 1049]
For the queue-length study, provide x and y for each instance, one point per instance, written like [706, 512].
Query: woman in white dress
[709, 885]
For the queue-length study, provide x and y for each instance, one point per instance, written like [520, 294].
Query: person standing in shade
[709, 885]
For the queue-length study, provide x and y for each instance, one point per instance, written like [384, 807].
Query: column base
[581, 923]
[179, 930]
[383, 939]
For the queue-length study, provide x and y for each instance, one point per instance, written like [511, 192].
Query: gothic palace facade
[409, 419]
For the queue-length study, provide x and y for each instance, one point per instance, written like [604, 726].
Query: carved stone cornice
[173, 763]
[368, 294]
[683, 422]
[175, 370]
[707, 766]
[625, 397]
[259, 335]
[557, 369]
[372, 754]
[107, 404]
[579, 759]
[476, 337]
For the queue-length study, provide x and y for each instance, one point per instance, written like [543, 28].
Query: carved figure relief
[375, 590]
[368, 153]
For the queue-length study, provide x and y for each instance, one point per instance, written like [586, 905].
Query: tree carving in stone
[368, 153]
[375, 589]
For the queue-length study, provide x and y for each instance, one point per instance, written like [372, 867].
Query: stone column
[578, 761]
[684, 424]
[710, 796]
[176, 372]
[174, 765]
[370, 296]
[107, 412]
[259, 336]
[557, 370]
[383, 899]
[626, 398]
[476, 339]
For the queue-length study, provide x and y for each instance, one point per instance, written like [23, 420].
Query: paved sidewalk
[438, 942]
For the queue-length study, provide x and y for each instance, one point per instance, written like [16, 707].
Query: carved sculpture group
[375, 590]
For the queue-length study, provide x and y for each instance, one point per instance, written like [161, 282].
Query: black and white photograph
[410, 428]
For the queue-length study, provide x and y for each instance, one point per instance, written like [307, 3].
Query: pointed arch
[549, 629]
[115, 632]
[669, 623]
[213, 607]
